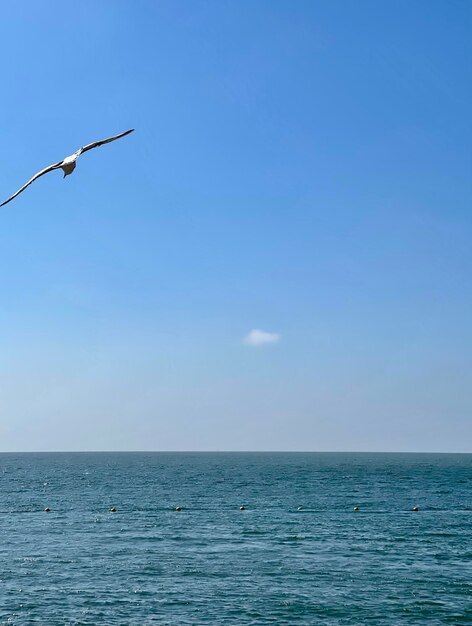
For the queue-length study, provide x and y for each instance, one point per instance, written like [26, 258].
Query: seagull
[68, 164]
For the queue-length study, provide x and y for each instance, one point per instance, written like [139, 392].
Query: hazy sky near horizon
[279, 258]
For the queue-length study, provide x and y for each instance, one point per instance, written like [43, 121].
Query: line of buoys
[241, 508]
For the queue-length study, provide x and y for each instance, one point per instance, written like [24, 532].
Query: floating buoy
[356, 508]
[178, 508]
[113, 510]
[47, 509]
[415, 508]
[242, 508]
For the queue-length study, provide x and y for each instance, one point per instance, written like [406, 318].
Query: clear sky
[280, 257]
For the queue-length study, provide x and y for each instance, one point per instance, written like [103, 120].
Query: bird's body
[68, 164]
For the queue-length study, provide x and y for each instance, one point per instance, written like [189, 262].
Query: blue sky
[302, 169]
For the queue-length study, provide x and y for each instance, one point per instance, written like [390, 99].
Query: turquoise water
[212, 563]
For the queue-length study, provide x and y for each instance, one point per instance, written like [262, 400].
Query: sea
[164, 538]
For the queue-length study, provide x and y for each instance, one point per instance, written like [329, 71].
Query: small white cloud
[260, 338]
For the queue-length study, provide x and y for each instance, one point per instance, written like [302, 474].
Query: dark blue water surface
[212, 563]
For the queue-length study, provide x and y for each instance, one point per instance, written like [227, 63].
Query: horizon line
[233, 452]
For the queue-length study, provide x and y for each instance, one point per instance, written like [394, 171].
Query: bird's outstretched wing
[95, 144]
[31, 180]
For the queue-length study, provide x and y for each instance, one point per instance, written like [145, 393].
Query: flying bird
[68, 164]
